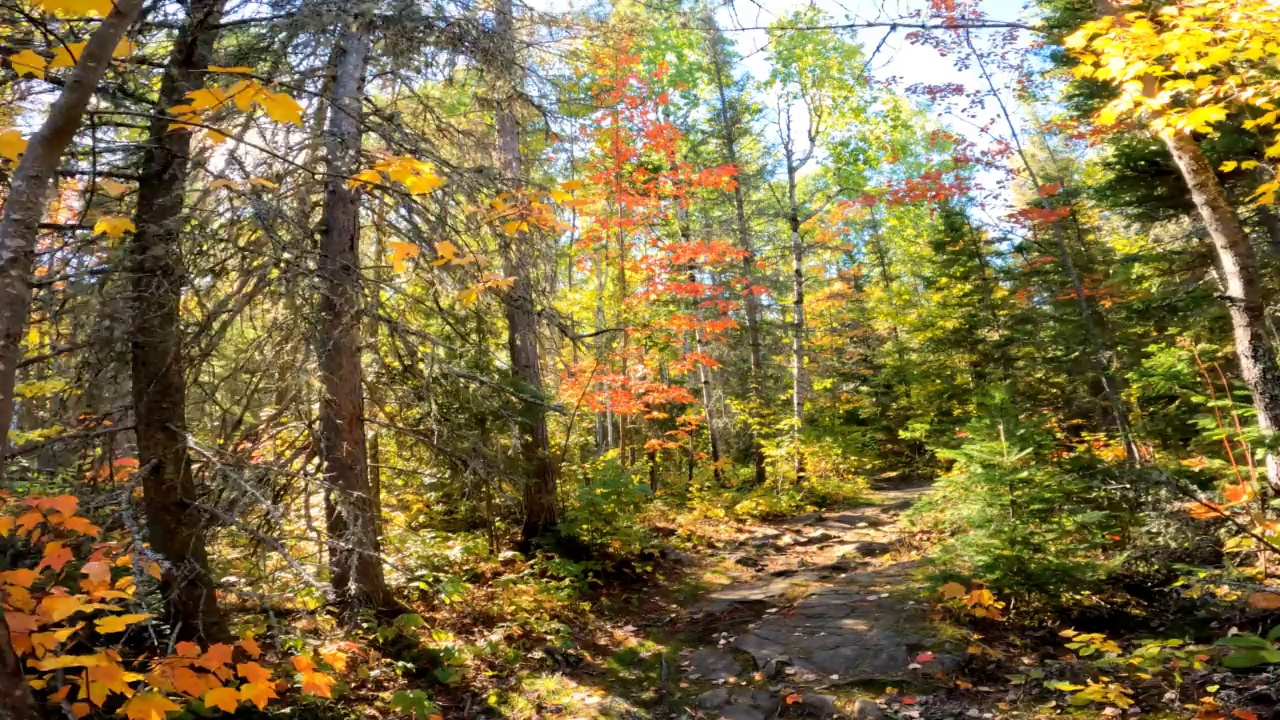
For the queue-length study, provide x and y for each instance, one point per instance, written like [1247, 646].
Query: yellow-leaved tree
[1182, 69]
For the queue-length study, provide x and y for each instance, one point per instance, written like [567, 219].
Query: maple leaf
[223, 698]
[216, 657]
[317, 683]
[28, 62]
[98, 572]
[69, 661]
[238, 70]
[56, 556]
[953, 591]
[43, 642]
[149, 706]
[118, 623]
[114, 226]
[302, 663]
[250, 645]
[400, 253]
[335, 658]
[108, 678]
[21, 622]
[446, 251]
[257, 694]
[83, 526]
[281, 107]
[189, 682]
[67, 55]
[253, 672]
[21, 577]
[76, 7]
[12, 145]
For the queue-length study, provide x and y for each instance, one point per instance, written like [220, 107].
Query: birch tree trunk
[518, 258]
[355, 555]
[1241, 286]
[174, 528]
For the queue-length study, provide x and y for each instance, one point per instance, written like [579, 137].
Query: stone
[807, 518]
[872, 549]
[713, 699]
[741, 712]
[677, 556]
[865, 709]
[713, 664]
[747, 561]
[854, 520]
[898, 505]
[819, 536]
[820, 705]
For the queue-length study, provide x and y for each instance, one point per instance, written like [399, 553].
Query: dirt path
[812, 610]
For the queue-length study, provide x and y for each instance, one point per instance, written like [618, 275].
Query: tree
[175, 527]
[355, 555]
[518, 262]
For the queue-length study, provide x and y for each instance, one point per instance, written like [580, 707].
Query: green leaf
[1274, 634]
[1244, 641]
[1251, 658]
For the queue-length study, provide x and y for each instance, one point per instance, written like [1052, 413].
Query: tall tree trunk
[751, 304]
[518, 258]
[174, 528]
[797, 320]
[704, 373]
[355, 555]
[29, 190]
[1242, 288]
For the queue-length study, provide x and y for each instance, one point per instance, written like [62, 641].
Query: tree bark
[355, 555]
[1242, 288]
[518, 258]
[174, 529]
[797, 320]
[16, 701]
[29, 190]
[751, 303]
[704, 373]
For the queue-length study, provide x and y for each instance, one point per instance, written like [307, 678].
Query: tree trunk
[355, 555]
[1242, 289]
[797, 321]
[29, 190]
[174, 529]
[751, 303]
[16, 702]
[539, 491]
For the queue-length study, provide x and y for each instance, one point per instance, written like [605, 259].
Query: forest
[737, 359]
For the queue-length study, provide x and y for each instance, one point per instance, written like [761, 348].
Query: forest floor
[830, 614]
[818, 615]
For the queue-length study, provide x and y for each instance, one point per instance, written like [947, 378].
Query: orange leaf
[21, 577]
[302, 663]
[216, 657]
[317, 683]
[55, 556]
[187, 649]
[149, 706]
[257, 694]
[1244, 714]
[250, 645]
[253, 672]
[794, 698]
[1264, 601]
[908, 700]
[223, 698]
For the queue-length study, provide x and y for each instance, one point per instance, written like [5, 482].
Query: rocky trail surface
[813, 609]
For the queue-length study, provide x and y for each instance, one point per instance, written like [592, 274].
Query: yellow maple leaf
[953, 591]
[22, 577]
[70, 661]
[28, 62]
[124, 48]
[223, 698]
[67, 55]
[43, 642]
[117, 623]
[401, 253]
[250, 645]
[76, 7]
[149, 706]
[446, 251]
[114, 226]
[238, 70]
[258, 694]
[12, 145]
[54, 608]
[281, 107]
